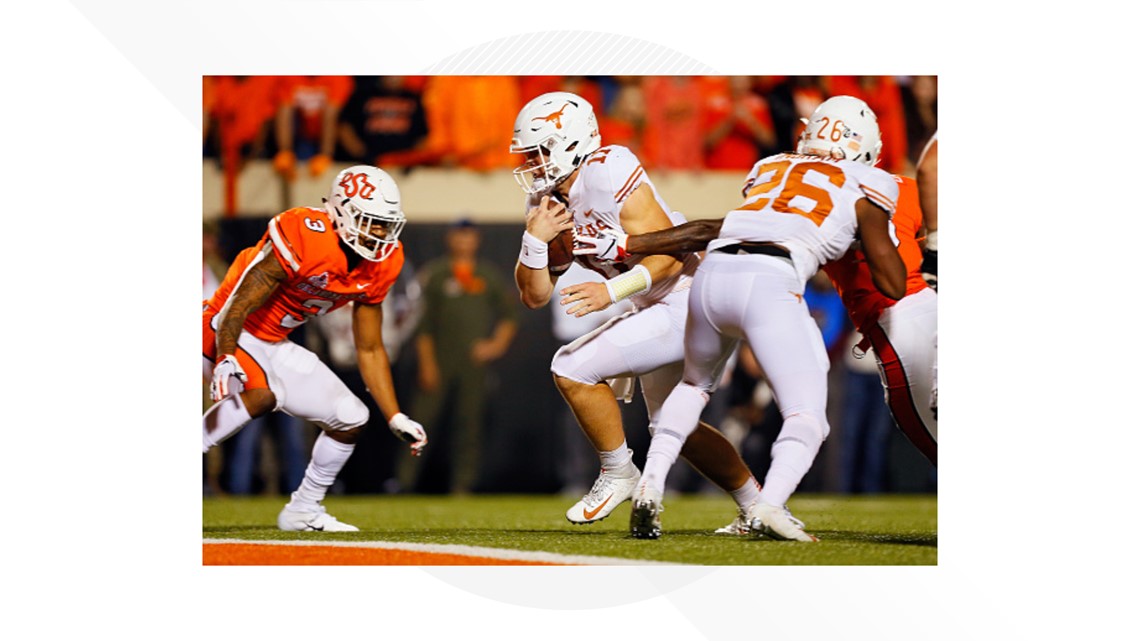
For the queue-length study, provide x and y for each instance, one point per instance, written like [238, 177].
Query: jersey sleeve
[297, 236]
[625, 173]
[609, 176]
[880, 188]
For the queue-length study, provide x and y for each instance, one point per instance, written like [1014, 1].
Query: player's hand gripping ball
[560, 252]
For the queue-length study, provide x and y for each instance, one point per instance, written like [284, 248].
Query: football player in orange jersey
[902, 332]
[309, 262]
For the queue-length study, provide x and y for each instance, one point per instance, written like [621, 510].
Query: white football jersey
[606, 178]
[807, 204]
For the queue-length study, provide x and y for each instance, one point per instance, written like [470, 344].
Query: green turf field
[887, 530]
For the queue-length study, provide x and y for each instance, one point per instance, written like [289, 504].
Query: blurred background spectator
[306, 122]
[714, 126]
[865, 430]
[469, 321]
[738, 128]
[384, 115]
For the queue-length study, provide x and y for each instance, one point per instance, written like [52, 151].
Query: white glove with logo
[409, 431]
[607, 245]
[225, 368]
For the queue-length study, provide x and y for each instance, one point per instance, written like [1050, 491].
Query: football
[560, 252]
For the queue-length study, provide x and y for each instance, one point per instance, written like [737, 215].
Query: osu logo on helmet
[357, 183]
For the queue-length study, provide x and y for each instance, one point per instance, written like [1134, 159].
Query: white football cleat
[645, 517]
[738, 527]
[776, 522]
[317, 520]
[608, 493]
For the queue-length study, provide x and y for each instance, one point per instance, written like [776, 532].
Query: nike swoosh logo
[317, 529]
[591, 514]
[359, 286]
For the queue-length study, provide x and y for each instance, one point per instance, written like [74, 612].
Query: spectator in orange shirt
[673, 123]
[467, 116]
[623, 121]
[736, 124]
[307, 112]
[236, 111]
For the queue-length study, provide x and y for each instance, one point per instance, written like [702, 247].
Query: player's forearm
[689, 237]
[535, 286]
[254, 290]
[377, 374]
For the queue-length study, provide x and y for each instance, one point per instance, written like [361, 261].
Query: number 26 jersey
[807, 204]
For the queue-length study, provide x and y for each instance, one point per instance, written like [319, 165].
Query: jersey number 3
[760, 195]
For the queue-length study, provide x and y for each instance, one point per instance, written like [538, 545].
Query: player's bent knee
[350, 413]
[569, 366]
[805, 427]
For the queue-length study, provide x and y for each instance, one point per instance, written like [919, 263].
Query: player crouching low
[310, 261]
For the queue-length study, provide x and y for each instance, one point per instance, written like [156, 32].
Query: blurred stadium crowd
[306, 124]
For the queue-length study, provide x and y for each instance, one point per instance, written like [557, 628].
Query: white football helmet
[364, 204]
[559, 129]
[842, 127]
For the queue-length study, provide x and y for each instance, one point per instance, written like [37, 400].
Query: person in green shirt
[469, 321]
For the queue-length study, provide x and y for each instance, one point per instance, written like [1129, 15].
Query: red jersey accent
[852, 277]
[318, 280]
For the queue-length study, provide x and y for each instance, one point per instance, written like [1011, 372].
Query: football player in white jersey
[802, 209]
[573, 182]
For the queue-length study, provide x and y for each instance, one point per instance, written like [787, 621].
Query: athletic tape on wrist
[533, 252]
[932, 240]
[634, 281]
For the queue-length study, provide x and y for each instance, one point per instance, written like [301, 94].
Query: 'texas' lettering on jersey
[589, 229]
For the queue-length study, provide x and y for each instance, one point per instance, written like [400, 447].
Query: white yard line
[462, 550]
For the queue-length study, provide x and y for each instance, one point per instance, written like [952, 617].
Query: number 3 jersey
[806, 204]
[606, 179]
[317, 280]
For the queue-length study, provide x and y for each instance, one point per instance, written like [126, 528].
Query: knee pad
[574, 365]
[350, 412]
[806, 428]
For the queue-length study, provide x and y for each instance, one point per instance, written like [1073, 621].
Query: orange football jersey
[852, 277]
[318, 279]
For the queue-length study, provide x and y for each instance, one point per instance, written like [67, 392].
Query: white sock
[223, 420]
[618, 463]
[329, 457]
[663, 452]
[792, 456]
[678, 419]
[747, 494]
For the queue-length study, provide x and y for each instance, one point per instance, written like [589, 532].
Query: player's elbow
[892, 284]
[533, 302]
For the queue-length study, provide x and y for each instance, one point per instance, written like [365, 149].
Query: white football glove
[409, 431]
[223, 370]
[607, 245]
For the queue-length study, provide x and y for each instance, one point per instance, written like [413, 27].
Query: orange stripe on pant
[255, 372]
[899, 397]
